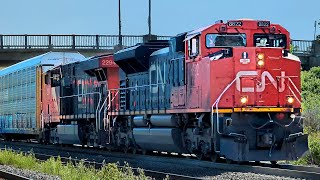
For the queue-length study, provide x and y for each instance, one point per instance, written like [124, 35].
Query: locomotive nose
[263, 77]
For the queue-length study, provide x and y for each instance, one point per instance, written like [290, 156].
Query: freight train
[231, 89]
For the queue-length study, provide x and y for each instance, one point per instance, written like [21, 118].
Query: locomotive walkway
[14, 48]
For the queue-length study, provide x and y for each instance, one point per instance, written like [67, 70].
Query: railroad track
[303, 172]
[9, 176]
[150, 173]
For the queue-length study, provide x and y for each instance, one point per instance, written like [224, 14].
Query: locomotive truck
[231, 89]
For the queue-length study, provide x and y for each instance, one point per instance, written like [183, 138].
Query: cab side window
[193, 46]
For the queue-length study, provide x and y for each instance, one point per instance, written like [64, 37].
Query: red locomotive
[228, 90]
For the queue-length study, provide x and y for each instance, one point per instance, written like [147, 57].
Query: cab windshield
[225, 40]
[270, 40]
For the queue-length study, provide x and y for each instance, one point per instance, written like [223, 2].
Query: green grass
[68, 171]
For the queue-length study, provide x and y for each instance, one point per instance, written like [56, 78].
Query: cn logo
[244, 55]
[261, 85]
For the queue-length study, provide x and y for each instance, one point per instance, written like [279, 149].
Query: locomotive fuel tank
[163, 120]
[68, 134]
[167, 120]
[159, 139]
[140, 121]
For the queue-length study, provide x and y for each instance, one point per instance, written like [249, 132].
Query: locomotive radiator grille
[122, 95]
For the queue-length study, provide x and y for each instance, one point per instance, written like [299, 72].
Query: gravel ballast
[28, 173]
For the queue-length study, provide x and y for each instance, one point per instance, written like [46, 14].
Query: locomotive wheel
[199, 156]
[257, 162]
[134, 150]
[144, 152]
[125, 150]
[229, 161]
[109, 149]
[214, 157]
[7, 138]
[273, 163]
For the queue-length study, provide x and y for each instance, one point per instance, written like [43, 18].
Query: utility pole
[315, 29]
[120, 35]
[149, 20]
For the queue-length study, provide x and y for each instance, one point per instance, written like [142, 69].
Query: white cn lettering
[260, 87]
[157, 79]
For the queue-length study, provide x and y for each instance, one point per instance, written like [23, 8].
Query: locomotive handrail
[289, 77]
[103, 104]
[111, 100]
[294, 95]
[217, 109]
[108, 105]
[98, 106]
[105, 112]
[128, 88]
[229, 85]
[135, 87]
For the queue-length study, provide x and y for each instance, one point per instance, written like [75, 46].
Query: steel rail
[304, 172]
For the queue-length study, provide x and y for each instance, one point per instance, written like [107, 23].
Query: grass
[68, 171]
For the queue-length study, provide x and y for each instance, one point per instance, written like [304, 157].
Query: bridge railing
[101, 42]
[302, 46]
[71, 41]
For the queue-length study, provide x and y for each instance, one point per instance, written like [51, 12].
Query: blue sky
[169, 17]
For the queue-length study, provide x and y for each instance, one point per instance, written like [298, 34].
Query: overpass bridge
[15, 48]
[308, 52]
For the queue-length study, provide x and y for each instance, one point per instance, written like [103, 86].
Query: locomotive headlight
[260, 56]
[260, 59]
[290, 100]
[260, 63]
[244, 100]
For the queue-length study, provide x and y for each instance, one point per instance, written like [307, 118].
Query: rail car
[231, 89]
[20, 92]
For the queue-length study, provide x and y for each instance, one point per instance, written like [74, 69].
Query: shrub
[311, 112]
[311, 98]
[313, 156]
